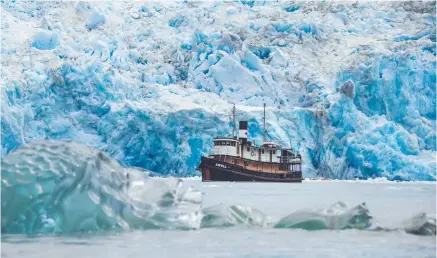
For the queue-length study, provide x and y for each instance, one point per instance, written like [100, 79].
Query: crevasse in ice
[351, 86]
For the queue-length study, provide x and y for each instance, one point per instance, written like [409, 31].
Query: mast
[264, 124]
[234, 125]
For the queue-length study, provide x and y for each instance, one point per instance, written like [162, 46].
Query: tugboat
[237, 159]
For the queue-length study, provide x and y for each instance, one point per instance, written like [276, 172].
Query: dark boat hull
[215, 170]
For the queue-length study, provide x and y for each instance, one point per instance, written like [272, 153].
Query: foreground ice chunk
[222, 215]
[336, 216]
[421, 224]
[56, 186]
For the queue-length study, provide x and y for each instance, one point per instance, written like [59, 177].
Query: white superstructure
[268, 152]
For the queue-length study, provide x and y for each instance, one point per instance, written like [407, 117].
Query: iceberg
[64, 187]
[351, 86]
[335, 217]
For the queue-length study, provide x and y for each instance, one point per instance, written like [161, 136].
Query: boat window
[223, 143]
[274, 151]
[248, 149]
[228, 143]
[263, 151]
[232, 143]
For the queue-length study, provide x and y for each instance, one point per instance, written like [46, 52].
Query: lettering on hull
[221, 165]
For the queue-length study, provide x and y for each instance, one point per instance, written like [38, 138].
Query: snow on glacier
[350, 85]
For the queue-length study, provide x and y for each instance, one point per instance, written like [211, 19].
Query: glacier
[351, 86]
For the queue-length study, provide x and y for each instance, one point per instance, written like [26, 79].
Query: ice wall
[350, 85]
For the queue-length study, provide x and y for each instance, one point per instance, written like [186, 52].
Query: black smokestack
[242, 133]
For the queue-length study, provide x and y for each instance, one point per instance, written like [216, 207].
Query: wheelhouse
[226, 146]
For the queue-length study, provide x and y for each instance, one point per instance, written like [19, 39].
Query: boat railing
[290, 160]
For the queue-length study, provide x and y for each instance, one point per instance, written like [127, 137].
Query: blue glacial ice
[45, 40]
[95, 20]
[351, 86]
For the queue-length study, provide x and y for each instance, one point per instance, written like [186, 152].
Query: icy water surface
[390, 204]
[63, 199]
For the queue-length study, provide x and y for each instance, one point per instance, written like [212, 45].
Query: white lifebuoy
[252, 153]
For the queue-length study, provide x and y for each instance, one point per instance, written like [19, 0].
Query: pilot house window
[224, 143]
[248, 149]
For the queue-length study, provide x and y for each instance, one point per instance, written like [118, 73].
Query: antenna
[264, 124]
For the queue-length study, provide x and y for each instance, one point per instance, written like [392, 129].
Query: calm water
[389, 205]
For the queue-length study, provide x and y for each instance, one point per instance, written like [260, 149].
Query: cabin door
[259, 155]
[271, 156]
[238, 149]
